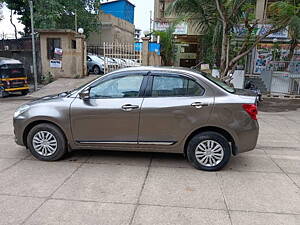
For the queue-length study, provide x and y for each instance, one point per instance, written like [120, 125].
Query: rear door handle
[199, 105]
[129, 107]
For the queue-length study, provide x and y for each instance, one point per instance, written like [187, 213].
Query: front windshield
[12, 71]
[218, 82]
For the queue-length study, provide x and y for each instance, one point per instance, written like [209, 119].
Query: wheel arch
[219, 130]
[37, 122]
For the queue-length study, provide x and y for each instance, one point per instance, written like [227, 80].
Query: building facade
[113, 29]
[187, 37]
[122, 9]
[117, 24]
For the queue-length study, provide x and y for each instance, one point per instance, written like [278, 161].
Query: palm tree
[224, 16]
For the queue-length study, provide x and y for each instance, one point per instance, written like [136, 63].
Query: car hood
[48, 98]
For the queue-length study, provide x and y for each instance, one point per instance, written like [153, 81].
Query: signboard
[180, 29]
[264, 28]
[265, 54]
[260, 30]
[58, 51]
[55, 64]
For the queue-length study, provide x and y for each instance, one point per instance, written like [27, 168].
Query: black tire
[25, 92]
[96, 70]
[205, 136]
[57, 133]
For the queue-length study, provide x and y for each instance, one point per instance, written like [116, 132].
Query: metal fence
[282, 77]
[116, 55]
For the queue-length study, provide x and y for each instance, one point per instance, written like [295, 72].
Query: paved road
[96, 187]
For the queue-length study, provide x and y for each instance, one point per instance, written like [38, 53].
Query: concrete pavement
[102, 187]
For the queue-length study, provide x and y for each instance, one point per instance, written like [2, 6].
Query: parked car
[95, 64]
[143, 109]
[131, 63]
[121, 63]
[12, 77]
[111, 63]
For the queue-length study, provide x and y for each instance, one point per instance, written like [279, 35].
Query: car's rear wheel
[46, 142]
[209, 151]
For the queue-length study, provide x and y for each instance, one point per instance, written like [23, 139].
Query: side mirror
[85, 94]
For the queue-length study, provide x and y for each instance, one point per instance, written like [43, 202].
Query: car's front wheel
[96, 70]
[46, 142]
[209, 151]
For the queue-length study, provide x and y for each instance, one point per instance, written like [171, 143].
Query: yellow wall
[73, 60]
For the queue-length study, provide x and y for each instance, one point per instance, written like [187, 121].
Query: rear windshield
[11, 71]
[218, 82]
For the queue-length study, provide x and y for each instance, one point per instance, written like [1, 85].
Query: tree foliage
[57, 14]
[1, 14]
[291, 9]
[221, 18]
[167, 44]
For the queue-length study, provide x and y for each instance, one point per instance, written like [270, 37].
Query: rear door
[174, 106]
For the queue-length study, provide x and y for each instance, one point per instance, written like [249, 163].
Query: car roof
[4, 61]
[162, 69]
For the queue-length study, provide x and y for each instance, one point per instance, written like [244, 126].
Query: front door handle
[129, 107]
[198, 105]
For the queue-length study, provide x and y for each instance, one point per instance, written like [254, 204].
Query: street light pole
[33, 47]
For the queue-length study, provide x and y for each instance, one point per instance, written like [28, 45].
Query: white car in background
[95, 64]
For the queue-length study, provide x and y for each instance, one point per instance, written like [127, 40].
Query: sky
[142, 17]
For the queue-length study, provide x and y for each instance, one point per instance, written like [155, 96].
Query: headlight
[21, 110]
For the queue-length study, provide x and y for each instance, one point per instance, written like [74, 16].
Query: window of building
[175, 86]
[53, 43]
[73, 44]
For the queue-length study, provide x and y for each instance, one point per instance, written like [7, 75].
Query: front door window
[122, 87]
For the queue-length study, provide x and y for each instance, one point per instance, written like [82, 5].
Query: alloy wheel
[44, 143]
[209, 153]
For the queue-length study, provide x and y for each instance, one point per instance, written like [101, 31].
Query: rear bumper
[248, 137]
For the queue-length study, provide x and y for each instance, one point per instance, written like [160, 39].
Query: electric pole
[33, 47]
[76, 26]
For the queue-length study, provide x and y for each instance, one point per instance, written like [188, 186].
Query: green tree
[57, 14]
[167, 44]
[294, 23]
[1, 14]
[223, 17]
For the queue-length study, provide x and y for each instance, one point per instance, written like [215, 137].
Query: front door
[175, 105]
[111, 114]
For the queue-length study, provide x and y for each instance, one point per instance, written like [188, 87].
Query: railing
[120, 56]
[282, 77]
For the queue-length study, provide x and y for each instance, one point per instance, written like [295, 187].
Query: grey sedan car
[153, 109]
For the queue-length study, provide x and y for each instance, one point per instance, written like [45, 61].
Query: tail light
[251, 109]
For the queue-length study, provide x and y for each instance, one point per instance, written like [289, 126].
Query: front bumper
[16, 89]
[19, 127]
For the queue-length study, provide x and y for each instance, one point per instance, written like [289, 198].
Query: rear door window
[175, 86]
